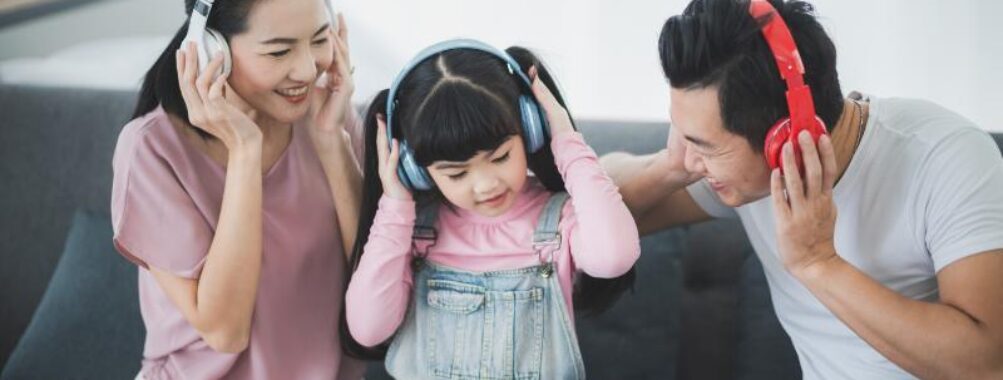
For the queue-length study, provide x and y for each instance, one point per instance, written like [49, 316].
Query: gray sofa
[700, 308]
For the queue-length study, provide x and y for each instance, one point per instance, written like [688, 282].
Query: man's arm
[959, 337]
[655, 197]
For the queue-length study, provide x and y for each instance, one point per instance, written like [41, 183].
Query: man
[908, 280]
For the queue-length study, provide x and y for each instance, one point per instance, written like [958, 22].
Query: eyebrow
[699, 142]
[461, 165]
[290, 41]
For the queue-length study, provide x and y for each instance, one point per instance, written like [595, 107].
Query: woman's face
[286, 47]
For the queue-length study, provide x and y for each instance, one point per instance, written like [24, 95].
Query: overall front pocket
[480, 334]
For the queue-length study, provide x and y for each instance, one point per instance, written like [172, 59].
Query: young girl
[469, 263]
[235, 194]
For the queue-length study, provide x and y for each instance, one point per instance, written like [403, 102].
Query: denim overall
[506, 324]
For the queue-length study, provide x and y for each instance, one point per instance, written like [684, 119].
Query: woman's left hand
[332, 98]
[557, 116]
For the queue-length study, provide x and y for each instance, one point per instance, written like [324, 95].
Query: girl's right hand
[212, 105]
[389, 159]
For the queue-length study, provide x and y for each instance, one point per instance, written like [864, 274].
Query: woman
[237, 196]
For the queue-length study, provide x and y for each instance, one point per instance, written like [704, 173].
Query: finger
[192, 101]
[341, 67]
[206, 78]
[795, 189]
[812, 165]
[542, 93]
[216, 90]
[394, 159]
[381, 140]
[342, 27]
[829, 168]
[780, 206]
[191, 66]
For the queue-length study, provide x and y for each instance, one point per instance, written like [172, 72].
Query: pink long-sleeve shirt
[599, 237]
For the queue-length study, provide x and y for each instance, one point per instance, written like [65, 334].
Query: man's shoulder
[920, 121]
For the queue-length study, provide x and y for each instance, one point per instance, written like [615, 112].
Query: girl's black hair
[450, 107]
[160, 85]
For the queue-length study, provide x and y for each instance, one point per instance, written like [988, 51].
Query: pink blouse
[599, 237]
[166, 199]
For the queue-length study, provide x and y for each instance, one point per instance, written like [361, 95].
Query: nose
[304, 67]
[694, 162]
[485, 184]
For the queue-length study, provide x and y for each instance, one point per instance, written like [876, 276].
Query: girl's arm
[378, 294]
[605, 242]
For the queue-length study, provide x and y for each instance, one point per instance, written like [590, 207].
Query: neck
[271, 130]
[846, 135]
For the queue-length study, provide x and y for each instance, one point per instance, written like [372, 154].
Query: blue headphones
[534, 122]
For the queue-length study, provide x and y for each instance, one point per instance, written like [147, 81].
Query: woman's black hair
[160, 85]
[450, 107]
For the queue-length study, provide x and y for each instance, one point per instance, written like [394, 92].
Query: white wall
[605, 54]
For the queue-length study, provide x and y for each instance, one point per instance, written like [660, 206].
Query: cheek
[253, 75]
[324, 57]
[452, 190]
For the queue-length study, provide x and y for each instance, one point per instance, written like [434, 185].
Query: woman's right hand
[212, 105]
[389, 159]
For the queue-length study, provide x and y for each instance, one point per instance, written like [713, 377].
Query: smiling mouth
[295, 94]
[494, 199]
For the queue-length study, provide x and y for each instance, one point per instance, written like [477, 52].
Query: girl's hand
[389, 160]
[557, 117]
[212, 105]
[332, 98]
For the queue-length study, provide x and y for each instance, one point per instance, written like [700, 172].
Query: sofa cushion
[87, 325]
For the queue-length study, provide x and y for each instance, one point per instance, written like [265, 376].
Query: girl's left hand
[332, 98]
[557, 115]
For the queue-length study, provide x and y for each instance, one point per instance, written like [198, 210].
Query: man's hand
[805, 212]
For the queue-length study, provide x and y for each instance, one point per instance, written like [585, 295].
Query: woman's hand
[332, 97]
[212, 105]
[389, 160]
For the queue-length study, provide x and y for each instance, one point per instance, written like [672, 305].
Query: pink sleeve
[155, 221]
[604, 238]
[380, 289]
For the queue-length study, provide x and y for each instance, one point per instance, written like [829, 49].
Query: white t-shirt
[924, 189]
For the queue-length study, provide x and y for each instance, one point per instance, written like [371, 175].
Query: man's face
[736, 172]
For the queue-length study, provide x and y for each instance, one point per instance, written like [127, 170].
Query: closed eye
[457, 176]
[279, 54]
[501, 159]
[320, 41]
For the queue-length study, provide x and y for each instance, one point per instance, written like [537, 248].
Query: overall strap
[424, 233]
[547, 235]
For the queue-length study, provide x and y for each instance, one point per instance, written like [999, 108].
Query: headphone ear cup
[533, 123]
[411, 174]
[775, 139]
[780, 134]
[213, 43]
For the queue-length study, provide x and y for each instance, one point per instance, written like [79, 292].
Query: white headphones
[208, 41]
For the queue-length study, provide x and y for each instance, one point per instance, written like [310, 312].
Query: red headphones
[799, 100]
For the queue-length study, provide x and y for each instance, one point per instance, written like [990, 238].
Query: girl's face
[488, 183]
[286, 47]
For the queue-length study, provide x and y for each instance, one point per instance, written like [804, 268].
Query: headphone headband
[513, 66]
[785, 52]
[534, 127]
